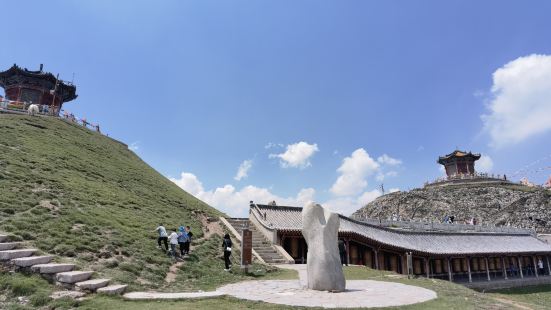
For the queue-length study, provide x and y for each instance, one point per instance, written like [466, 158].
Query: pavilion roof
[458, 154]
[65, 89]
[427, 242]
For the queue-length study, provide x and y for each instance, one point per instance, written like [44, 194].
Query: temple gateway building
[469, 254]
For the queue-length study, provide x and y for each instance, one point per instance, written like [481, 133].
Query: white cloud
[484, 164]
[236, 202]
[368, 197]
[353, 173]
[349, 205]
[134, 146]
[271, 145]
[243, 170]
[521, 103]
[189, 183]
[382, 175]
[387, 160]
[297, 155]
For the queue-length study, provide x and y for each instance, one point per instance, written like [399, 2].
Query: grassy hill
[87, 198]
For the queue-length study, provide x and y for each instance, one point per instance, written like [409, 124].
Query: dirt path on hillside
[209, 228]
[516, 304]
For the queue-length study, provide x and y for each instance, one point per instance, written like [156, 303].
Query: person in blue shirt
[182, 239]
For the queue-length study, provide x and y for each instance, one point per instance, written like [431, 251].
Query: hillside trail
[516, 304]
[209, 229]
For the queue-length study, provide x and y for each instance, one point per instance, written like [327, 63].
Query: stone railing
[460, 178]
[435, 226]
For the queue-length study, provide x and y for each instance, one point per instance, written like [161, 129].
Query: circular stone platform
[358, 294]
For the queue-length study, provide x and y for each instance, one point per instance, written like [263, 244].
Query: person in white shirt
[162, 236]
[173, 238]
[540, 266]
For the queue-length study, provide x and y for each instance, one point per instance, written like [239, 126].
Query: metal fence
[16, 107]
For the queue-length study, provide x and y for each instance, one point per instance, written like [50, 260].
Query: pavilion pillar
[450, 277]
[347, 251]
[548, 267]
[487, 268]
[535, 266]
[376, 259]
[404, 261]
[303, 252]
[504, 268]
[469, 269]
[427, 269]
[520, 267]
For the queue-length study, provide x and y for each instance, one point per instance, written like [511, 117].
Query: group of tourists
[180, 237]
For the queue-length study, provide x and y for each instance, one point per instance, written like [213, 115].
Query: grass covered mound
[88, 199]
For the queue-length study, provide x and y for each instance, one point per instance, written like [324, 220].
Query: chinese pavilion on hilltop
[459, 163]
[38, 87]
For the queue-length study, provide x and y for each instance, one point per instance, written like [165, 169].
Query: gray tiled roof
[440, 243]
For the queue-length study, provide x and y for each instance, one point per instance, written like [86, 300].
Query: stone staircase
[62, 274]
[260, 244]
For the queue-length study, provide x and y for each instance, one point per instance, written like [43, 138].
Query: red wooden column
[376, 259]
[548, 266]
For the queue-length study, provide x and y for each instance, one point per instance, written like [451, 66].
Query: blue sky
[199, 88]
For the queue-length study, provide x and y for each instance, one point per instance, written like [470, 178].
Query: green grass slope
[87, 198]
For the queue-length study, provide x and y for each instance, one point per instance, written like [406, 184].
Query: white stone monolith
[320, 229]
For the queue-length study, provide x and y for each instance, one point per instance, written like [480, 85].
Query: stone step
[92, 285]
[268, 258]
[8, 246]
[73, 276]
[112, 289]
[32, 260]
[3, 237]
[11, 254]
[265, 250]
[52, 268]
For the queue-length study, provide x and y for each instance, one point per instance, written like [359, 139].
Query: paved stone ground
[159, 296]
[358, 294]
